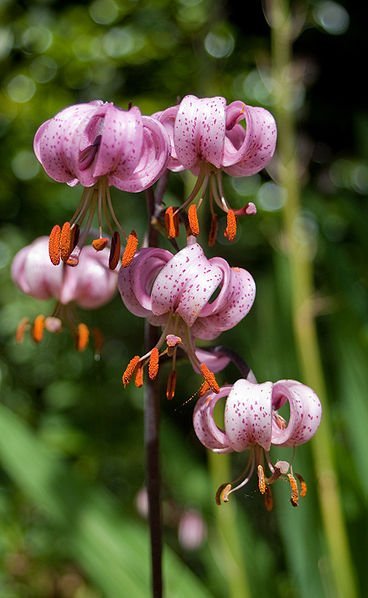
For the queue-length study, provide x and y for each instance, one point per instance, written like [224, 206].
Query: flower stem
[152, 439]
[301, 280]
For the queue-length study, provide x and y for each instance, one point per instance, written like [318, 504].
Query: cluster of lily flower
[187, 295]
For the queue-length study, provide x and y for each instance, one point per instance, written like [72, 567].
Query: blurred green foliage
[71, 438]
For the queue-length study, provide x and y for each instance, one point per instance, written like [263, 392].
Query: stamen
[193, 220]
[280, 422]
[130, 249]
[222, 494]
[203, 389]
[261, 479]
[248, 210]
[21, 329]
[213, 231]
[230, 230]
[53, 324]
[66, 239]
[171, 385]
[100, 243]
[268, 500]
[54, 245]
[138, 380]
[294, 498]
[98, 341]
[171, 223]
[153, 363]
[129, 370]
[114, 251]
[75, 231]
[209, 377]
[303, 485]
[82, 337]
[38, 328]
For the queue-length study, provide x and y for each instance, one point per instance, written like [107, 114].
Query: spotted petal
[305, 413]
[248, 415]
[207, 431]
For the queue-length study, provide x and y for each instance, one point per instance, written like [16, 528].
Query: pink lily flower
[207, 137]
[176, 293]
[252, 422]
[99, 145]
[90, 286]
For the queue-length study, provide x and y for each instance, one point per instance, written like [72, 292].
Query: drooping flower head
[178, 293]
[207, 136]
[89, 286]
[99, 145]
[252, 422]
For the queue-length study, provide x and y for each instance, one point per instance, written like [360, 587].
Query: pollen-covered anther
[212, 236]
[268, 500]
[303, 485]
[54, 245]
[153, 363]
[100, 243]
[129, 370]
[230, 230]
[21, 330]
[130, 249]
[171, 223]
[222, 494]
[114, 251]
[203, 389]
[82, 337]
[294, 498]
[210, 378]
[193, 220]
[261, 479]
[38, 328]
[66, 242]
[138, 380]
[171, 385]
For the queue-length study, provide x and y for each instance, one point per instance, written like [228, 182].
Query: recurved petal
[205, 427]
[185, 284]
[215, 361]
[153, 159]
[248, 415]
[247, 151]
[167, 119]
[238, 294]
[305, 413]
[135, 282]
[199, 131]
[92, 283]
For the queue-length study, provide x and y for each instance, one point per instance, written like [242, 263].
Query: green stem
[232, 557]
[301, 277]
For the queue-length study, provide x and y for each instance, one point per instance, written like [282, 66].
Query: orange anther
[193, 220]
[153, 364]
[138, 380]
[209, 377]
[205, 387]
[114, 251]
[66, 240]
[294, 498]
[100, 243]
[129, 370]
[222, 494]
[21, 329]
[171, 223]
[72, 261]
[82, 337]
[171, 385]
[38, 328]
[54, 245]
[130, 249]
[230, 230]
[213, 231]
[303, 485]
[98, 341]
[268, 500]
[261, 479]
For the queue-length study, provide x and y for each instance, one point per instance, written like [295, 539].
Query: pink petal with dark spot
[209, 434]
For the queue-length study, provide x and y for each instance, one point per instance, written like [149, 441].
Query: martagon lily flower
[99, 145]
[252, 422]
[207, 136]
[89, 286]
[177, 292]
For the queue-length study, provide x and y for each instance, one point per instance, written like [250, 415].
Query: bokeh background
[72, 498]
